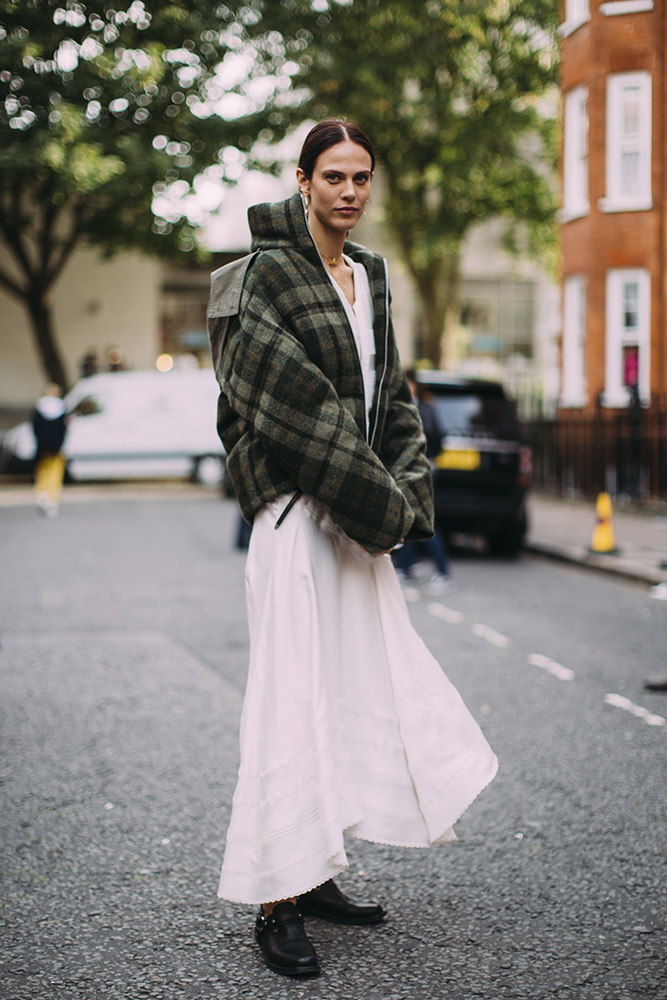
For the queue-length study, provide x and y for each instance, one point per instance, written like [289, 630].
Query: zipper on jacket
[386, 350]
[356, 351]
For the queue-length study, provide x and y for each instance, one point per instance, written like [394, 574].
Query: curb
[24, 496]
[615, 565]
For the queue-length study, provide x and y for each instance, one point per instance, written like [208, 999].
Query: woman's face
[339, 187]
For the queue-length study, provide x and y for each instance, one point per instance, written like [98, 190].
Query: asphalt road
[122, 667]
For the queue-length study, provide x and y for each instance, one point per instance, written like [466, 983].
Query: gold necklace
[333, 261]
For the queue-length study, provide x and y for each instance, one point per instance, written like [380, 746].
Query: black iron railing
[624, 454]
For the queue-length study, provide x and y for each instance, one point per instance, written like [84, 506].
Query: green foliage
[106, 103]
[452, 94]
[102, 106]
[100, 102]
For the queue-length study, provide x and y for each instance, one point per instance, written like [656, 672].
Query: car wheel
[209, 470]
[508, 540]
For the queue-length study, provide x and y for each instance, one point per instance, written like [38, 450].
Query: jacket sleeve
[403, 450]
[295, 412]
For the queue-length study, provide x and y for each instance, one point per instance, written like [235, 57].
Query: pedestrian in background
[89, 364]
[115, 360]
[49, 423]
[349, 725]
[408, 554]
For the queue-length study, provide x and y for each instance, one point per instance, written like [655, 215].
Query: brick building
[614, 214]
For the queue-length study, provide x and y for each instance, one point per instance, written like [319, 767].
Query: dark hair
[329, 133]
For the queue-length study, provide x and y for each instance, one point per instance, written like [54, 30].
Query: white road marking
[490, 635]
[557, 669]
[447, 614]
[618, 701]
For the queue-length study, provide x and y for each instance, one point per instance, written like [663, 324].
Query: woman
[406, 557]
[348, 723]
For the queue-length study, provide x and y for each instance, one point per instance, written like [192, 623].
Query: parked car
[133, 425]
[482, 471]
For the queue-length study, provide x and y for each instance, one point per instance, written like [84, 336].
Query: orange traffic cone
[603, 541]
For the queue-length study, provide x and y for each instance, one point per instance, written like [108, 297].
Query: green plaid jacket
[291, 408]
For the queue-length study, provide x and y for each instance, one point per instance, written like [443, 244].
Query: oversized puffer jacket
[291, 412]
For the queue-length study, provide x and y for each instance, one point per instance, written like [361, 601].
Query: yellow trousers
[49, 476]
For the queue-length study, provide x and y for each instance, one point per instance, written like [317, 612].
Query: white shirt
[360, 317]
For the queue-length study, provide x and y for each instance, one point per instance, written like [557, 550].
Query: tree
[449, 91]
[100, 102]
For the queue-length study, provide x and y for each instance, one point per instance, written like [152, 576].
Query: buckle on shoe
[263, 922]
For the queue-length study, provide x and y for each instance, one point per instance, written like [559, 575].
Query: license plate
[451, 458]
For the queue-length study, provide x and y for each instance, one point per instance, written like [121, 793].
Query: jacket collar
[283, 225]
[280, 225]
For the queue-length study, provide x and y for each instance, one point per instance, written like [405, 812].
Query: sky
[227, 228]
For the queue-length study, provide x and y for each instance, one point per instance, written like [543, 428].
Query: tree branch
[52, 273]
[49, 217]
[11, 286]
[12, 233]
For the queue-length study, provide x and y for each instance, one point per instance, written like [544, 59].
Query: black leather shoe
[285, 946]
[329, 903]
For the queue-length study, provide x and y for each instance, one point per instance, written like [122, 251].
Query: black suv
[482, 469]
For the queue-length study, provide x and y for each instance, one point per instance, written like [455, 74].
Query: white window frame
[577, 12]
[617, 337]
[614, 8]
[616, 200]
[575, 155]
[574, 391]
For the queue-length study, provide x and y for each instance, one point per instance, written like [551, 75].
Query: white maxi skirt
[349, 725]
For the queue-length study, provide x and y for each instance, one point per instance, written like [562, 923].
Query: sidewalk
[563, 530]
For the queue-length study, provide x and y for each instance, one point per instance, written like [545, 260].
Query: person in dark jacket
[349, 725]
[436, 548]
[49, 424]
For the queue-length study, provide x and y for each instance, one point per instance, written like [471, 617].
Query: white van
[136, 425]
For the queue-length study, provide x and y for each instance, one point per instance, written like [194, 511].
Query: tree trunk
[41, 318]
[438, 291]
[450, 348]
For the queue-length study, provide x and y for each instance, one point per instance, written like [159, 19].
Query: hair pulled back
[329, 133]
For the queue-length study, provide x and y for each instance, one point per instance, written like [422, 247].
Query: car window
[474, 413]
[87, 406]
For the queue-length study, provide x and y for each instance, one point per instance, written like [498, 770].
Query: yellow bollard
[603, 541]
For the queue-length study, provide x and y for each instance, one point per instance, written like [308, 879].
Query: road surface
[123, 657]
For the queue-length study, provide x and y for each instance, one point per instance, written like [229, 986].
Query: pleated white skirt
[349, 724]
